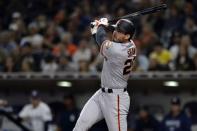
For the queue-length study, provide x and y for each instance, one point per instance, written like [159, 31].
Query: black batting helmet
[125, 26]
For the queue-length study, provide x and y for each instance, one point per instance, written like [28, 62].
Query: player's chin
[115, 39]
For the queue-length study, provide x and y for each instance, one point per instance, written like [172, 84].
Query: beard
[114, 38]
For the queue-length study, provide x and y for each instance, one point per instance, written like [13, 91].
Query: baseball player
[36, 114]
[112, 101]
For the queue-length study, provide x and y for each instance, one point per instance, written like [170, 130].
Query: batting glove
[94, 26]
[103, 21]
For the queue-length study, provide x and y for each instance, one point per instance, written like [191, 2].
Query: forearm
[101, 35]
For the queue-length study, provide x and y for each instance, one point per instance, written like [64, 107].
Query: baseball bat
[141, 12]
[138, 13]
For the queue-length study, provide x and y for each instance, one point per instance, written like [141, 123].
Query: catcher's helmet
[125, 26]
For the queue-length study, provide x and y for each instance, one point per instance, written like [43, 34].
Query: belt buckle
[110, 91]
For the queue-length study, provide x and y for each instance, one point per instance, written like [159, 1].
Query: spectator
[191, 110]
[51, 35]
[189, 10]
[146, 122]
[83, 66]
[2, 59]
[6, 42]
[185, 42]
[158, 23]
[174, 43]
[190, 28]
[49, 64]
[183, 61]
[2, 103]
[16, 56]
[94, 53]
[71, 47]
[147, 38]
[160, 57]
[34, 37]
[9, 64]
[36, 114]
[69, 115]
[132, 120]
[142, 60]
[65, 65]
[41, 22]
[59, 17]
[65, 47]
[17, 24]
[195, 61]
[26, 66]
[83, 53]
[154, 65]
[96, 60]
[60, 50]
[176, 120]
[26, 57]
[173, 22]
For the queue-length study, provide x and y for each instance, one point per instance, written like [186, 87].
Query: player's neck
[122, 41]
[125, 42]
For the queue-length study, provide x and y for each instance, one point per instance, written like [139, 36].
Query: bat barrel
[142, 12]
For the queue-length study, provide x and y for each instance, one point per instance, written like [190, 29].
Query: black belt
[111, 90]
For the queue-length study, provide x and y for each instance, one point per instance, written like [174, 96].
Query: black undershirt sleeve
[101, 35]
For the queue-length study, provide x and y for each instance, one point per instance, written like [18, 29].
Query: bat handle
[92, 24]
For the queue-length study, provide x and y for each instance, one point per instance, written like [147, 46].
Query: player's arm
[24, 114]
[104, 43]
[101, 35]
[98, 30]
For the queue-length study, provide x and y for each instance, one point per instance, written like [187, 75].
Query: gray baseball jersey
[117, 64]
[113, 107]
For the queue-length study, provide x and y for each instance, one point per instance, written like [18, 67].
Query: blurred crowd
[54, 35]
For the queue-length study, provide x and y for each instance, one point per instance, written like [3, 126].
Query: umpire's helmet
[125, 26]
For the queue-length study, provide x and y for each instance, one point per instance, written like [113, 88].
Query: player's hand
[96, 23]
[94, 26]
[103, 21]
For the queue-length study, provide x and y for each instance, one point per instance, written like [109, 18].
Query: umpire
[176, 120]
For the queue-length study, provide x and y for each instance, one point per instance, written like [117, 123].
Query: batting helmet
[125, 26]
